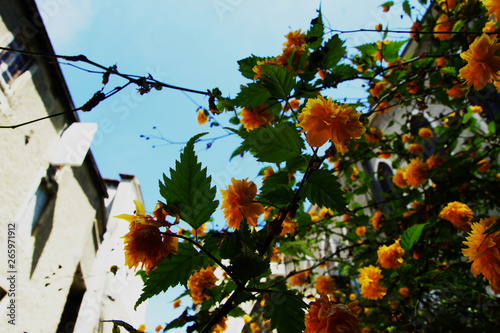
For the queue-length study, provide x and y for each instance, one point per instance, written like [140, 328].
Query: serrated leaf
[275, 181]
[246, 266]
[314, 36]
[296, 248]
[334, 50]
[407, 8]
[368, 49]
[173, 270]
[411, 236]
[458, 26]
[189, 188]
[340, 73]
[449, 71]
[252, 95]
[286, 313]
[278, 81]
[274, 144]
[390, 51]
[280, 197]
[323, 189]
[246, 66]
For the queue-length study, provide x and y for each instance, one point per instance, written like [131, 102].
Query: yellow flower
[275, 257]
[177, 303]
[416, 172]
[441, 62]
[141, 328]
[383, 107]
[390, 256]
[323, 119]
[484, 252]
[376, 219]
[425, 133]
[457, 91]
[435, 160]
[398, 179]
[369, 278]
[288, 226]
[493, 8]
[253, 119]
[482, 63]
[476, 109]
[415, 149]
[447, 5]
[373, 135]
[360, 231]
[296, 38]
[415, 30]
[254, 327]
[354, 173]
[200, 231]
[484, 165]
[384, 154]
[238, 203]
[257, 69]
[459, 214]
[199, 281]
[220, 327]
[378, 27]
[325, 317]
[412, 87]
[325, 285]
[299, 279]
[443, 27]
[325, 213]
[158, 328]
[144, 242]
[201, 117]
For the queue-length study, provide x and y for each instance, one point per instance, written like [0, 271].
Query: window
[13, 64]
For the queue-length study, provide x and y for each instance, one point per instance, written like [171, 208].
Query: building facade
[57, 244]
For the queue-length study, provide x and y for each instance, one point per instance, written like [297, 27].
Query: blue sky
[193, 44]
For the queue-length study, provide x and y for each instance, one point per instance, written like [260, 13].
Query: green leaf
[323, 189]
[296, 248]
[334, 50]
[247, 65]
[368, 49]
[411, 236]
[275, 181]
[390, 51]
[491, 128]
[449, 70]
[407, 8]
[314, 36]
[280, 197]
[273, 144]
[388, 4]
[246, 266]
[188, 188]
[173, 270]
[340, 73]
[458, 26]
[286, 312]
[279, 81]
[252, 95]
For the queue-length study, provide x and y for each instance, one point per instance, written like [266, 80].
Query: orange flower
[457, 213]
[360, 231]
[484, 252]
[325, 317]
[443, 27]
[377, 89]
[457, 91]
[254, 327]
[325, 213]
[256, 117]
[447, 5]
[385, 8]
[377, 219]
[425, 133]
[404, 292]
[489, 28]
[378, 27]
[412, 87]
[415, 149]
[199, 281]
[390, 256]
[177, 303]
[441, 62]
[325, 285]
[482, 63]
[384, 154]
[373, 135]
[484, 165]
[434, 160]
[415, 30]
[299, 279]
[200, 231]
[141, 328]
[398, 179]
[201, 117]
[383, 107]
[144, 243]
[314, 216]
[369, 278]
[493, 8]
[275, 257]
[406, 138]
[268, 172]
[220, 327]
[288, 226]
[296, 38]
[416, 172]
[354, 173]
[257, 69]
[238, 203]
[323, 119]
[158, 328]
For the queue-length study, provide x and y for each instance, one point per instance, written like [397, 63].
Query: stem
[222, 312]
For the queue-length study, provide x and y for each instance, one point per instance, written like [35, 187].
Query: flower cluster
[324, 316]
[199, 282]
[369, 278]
[390, 256]
[457, 213]
[414, 174]
[238, 203]
[323, 119]
[145, 245]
